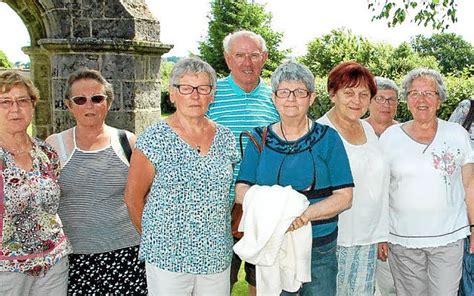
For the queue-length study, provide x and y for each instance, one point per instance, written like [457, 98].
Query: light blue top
[241, 111]
[186, 220]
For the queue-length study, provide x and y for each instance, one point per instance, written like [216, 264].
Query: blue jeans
[323, 272]
[466, 284]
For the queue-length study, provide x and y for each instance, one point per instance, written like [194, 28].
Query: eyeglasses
[81, 100]
[186, 89]
[416, 94]
[381, 100]
[299, 93]
[22, 102]
[254, 56]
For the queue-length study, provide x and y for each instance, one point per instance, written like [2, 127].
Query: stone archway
[120, 38]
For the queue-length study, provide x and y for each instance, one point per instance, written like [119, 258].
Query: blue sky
[184, 23]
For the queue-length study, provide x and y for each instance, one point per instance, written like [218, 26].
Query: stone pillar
[120, 38]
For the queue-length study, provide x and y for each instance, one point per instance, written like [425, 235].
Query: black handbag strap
[255, 142]
[470, 117]
[125, 144]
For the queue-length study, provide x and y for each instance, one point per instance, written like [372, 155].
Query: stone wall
[120, 38]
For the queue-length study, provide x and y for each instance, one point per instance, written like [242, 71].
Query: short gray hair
[230, 38]
[192, 66]
[386, 84]
[429, 73]
[295, 72]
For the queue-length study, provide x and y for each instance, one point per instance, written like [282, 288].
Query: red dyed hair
[350, 74]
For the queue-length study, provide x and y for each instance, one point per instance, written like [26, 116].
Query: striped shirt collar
[240, 91]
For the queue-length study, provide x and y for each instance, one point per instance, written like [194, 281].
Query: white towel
[283, 259]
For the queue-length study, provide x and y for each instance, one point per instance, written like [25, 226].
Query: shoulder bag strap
[470, 117]
[255, 142]
[123, 139]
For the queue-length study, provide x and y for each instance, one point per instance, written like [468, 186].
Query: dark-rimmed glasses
[381, 100]
[299, 93]
[416, 94]
[81, 100]
[186, 89]
[22, 102]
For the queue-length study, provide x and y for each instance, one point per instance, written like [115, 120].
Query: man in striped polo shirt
[243, 101]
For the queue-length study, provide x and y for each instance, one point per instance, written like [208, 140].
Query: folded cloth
[283, 260]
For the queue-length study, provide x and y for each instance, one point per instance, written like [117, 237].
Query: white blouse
[427, 207]
[366, 222]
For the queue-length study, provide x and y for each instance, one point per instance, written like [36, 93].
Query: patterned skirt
[117, 272]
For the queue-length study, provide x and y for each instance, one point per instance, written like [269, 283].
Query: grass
[240, 288]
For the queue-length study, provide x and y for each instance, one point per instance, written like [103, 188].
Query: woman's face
[90, 114]
[351, 102]
[16, 110]
[193, 95]
[295, 105]
[423, 100]
[384, 112]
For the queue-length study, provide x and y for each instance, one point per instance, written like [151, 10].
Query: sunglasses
[81, 100]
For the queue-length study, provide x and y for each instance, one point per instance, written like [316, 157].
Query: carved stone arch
[120, 38]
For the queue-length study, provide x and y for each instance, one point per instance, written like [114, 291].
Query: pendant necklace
[291, 146]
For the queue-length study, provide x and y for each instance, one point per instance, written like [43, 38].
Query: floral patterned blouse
[31, 234]
[186, 220]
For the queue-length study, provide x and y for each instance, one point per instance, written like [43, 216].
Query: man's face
[245, 60]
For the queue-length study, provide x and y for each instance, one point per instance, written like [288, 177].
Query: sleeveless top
[92, 207]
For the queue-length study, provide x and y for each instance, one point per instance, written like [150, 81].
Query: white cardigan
[283, 260]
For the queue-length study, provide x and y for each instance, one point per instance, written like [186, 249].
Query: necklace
[15, 151]
[291, 146]
[198, 149]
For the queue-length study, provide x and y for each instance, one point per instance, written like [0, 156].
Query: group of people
[390, 204]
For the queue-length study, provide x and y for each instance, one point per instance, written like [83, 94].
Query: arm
[140, 178]
[339, 201]
[240, 190]
[468, 183]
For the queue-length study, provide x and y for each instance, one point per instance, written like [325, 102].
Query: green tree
[4, 62]
[228, 16]
[380, 58]
[451, 51]
[437, 13]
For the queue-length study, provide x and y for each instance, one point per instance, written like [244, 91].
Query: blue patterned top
[186, 220]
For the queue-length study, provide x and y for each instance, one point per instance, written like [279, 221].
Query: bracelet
[470, 227]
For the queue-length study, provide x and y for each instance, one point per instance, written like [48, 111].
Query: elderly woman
[94, 172]
[178, 190]
[303, 154]
[383, 106]
[432, 185]
[361, 228]
[33, 247]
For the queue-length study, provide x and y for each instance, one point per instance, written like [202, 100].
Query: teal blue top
[316, 165]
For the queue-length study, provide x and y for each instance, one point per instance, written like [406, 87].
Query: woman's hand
[299, 222]
[382, 251]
